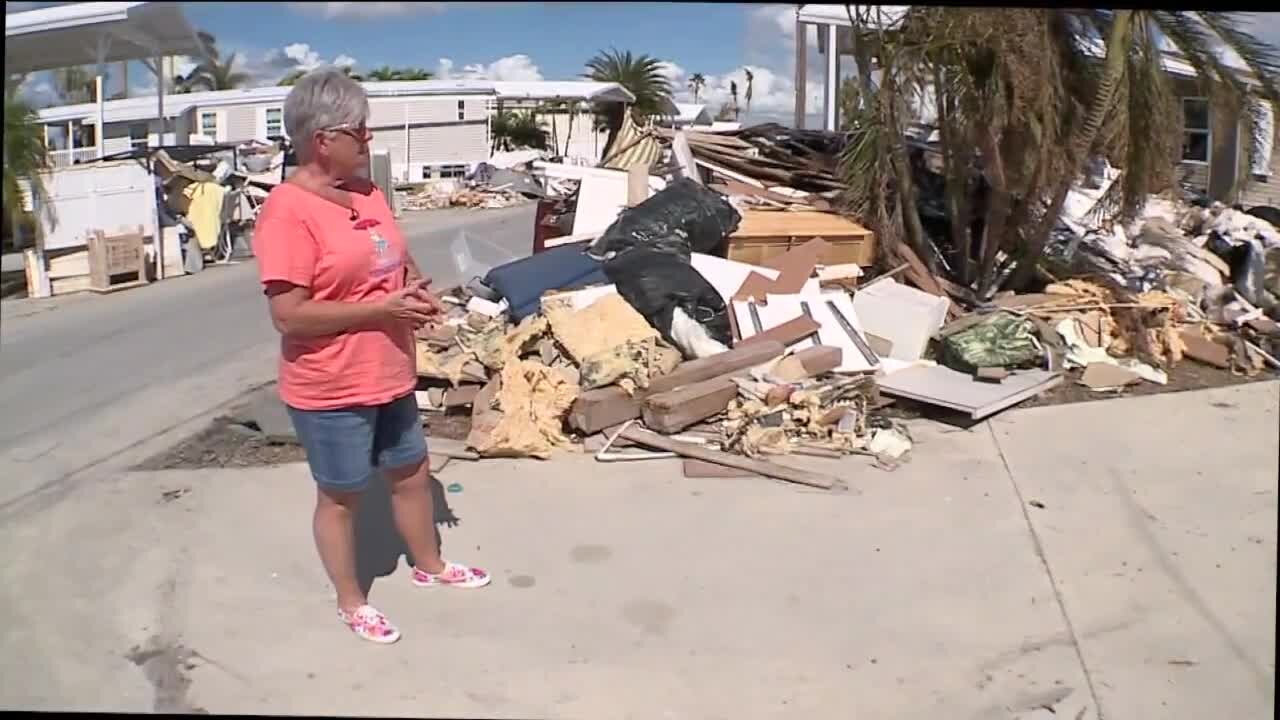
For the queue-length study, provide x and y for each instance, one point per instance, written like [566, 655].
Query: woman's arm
[294, 313]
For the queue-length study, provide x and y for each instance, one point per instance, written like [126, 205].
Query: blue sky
[519, 41]
[512, 41]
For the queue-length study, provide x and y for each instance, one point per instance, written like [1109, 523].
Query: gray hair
[322, 98]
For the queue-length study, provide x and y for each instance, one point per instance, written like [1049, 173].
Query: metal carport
[99, 33]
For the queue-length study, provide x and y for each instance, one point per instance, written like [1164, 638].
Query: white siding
[1263, 192]
[392, 140]
[444, 110]
[385, 112]
[447, 143]
[242, 122]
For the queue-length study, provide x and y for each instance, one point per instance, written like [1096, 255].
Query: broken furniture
[763, 235]
[111, 256]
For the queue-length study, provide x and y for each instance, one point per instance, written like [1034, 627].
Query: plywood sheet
[942, 386]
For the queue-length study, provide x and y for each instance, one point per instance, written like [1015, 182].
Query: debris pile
[484, 187]
[710, 306]
[644, 325]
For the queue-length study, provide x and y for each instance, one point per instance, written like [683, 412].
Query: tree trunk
[615, 112]
[568, 135]
[902, 175]
[998, 206]
[956, 176]
[1081, 142]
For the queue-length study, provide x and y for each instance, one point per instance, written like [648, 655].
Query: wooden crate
[111, 256]
[764, 234]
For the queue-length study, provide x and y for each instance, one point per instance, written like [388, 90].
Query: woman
[346, 297]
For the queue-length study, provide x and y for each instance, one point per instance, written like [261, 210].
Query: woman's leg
[339, 445]
[414, 512]
[401, 448]
[334, 528]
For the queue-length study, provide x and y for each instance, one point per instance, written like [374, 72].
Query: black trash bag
[684, 217]
[656, 282]
[1266, 212]
[1220, 245]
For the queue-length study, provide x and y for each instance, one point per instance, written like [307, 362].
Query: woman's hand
[413, 304]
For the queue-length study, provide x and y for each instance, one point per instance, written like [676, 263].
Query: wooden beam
[648, 438]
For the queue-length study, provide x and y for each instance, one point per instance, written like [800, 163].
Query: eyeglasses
[360, 133]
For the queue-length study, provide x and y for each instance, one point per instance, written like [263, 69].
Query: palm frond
[1262, 58]
[1196, 43]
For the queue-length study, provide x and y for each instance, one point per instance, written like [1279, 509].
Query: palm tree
[733, 93]
[642, 76]
[514, 130]
[295, 75]
[750, 81]
[1021, 101]
[74, 85]
[697, 82]
[386, 72]
[213, 74]
[24, 156]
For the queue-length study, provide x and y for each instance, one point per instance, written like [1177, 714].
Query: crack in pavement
[1053, 581]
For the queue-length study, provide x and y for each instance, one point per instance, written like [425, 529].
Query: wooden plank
[799, 224]
[70, 265]
[637, 184]
[1199, 347]
[807, 363]
[703, 469]
[651, 439]
[63, 286]
[672, 411]
[788, 333]
[684, 157]
[595, 410]
[729, 173]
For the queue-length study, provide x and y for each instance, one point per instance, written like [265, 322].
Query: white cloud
[366, 10]
[675, 74]
[344, 61]
[38, 90]
[302, 55]
[511, 67]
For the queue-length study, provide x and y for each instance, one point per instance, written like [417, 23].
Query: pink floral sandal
[370, 624]
[454, 575]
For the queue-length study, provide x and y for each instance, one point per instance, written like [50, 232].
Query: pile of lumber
[766, 157]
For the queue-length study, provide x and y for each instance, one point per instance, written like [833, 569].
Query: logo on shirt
[384, 261]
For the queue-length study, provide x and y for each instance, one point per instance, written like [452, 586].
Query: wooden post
[802, 70]
[101, 132]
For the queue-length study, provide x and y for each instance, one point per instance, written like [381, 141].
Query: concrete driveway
[1105, 560]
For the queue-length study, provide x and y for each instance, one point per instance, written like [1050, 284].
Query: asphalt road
[85, 377]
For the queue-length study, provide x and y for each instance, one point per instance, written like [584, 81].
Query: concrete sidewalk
[1144, 586]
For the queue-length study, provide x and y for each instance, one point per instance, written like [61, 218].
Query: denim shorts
[344, 447]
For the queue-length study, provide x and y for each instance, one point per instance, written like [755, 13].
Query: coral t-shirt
[304, 239]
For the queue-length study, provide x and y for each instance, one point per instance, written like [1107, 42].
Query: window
[462, 110]
[443, 172]
[275, 122]
[209, 124]
[1195, 130]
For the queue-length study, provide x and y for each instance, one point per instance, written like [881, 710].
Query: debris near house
[644, 325]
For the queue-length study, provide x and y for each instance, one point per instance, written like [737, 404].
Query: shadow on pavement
[378, 543]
